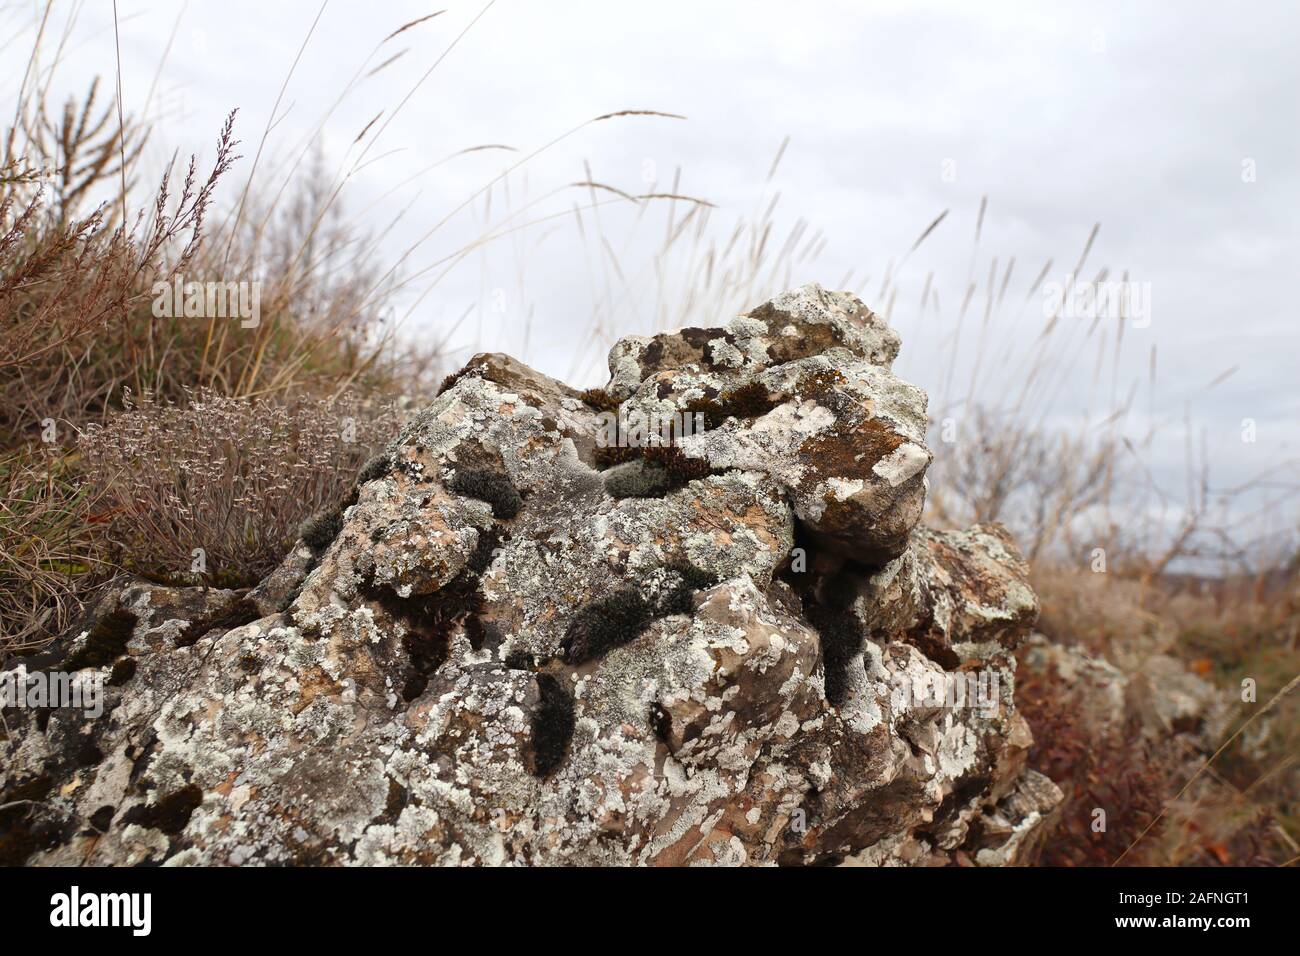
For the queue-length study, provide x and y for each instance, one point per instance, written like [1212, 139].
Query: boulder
[520, 645]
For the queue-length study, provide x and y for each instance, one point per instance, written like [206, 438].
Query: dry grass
[50, 547]
[75, 296]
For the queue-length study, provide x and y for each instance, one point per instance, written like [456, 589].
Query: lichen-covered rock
[795, 325]
[1149, 691]
[800, 390]
[960, 596]
[517, 645]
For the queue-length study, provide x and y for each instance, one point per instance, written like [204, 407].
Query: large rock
[799, 390]
[1143, 692]
[524, 647]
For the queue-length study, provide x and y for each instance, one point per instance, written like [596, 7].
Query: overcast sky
[1173, 125]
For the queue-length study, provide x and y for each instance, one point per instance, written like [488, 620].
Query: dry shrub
[1113, 769]
[1241, 809]
[67, 277]
[80, 145]
[230, 476]
[70, 286]
[1047, 486]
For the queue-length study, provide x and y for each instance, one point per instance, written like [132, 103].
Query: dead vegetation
[240, 478]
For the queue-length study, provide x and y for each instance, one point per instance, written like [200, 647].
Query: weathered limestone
[522, 647]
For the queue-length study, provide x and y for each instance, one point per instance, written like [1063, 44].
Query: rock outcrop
[522, 643]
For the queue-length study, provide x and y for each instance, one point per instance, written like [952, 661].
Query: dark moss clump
[24, 828]
[521, 661]
[552, 725]
[319, 531]
[638, 480]
[105, 642]
[170, 814]
[123, 670]
[375, 467]
[681, 468]
[681, 599]
[745, 401]
[605, 624]
[431, 618]
[623, 616]
[695, 579]
[842, 636]
[426, 644]
[600, 400]
[481, 633]
[427, 641]
[455, 377]
[239, 613]
[490, 485]
[475, 632]
[481, 556]
[607, 456]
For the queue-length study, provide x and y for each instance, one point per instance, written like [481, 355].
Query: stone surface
[525, 648]
[800, 390]
[1151, 691]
